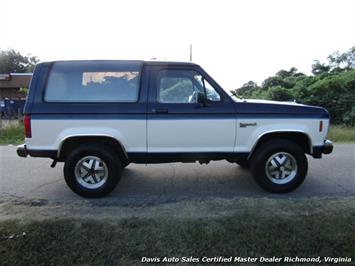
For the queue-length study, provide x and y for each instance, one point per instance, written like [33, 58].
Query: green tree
[349, 117]
[337, 62]
[282, 78]
[246, 89]
[279, 93]
[285, 74]
[12, 61]
[332, 86]
[342, 61]
[319, 68]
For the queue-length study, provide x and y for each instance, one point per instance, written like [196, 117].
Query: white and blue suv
[99, 116]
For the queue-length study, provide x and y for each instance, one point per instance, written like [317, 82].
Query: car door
[177, 123]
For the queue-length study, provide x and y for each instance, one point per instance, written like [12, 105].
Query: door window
[211, 94]
[182, 86]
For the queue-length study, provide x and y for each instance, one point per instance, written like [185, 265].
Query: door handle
[160, 110]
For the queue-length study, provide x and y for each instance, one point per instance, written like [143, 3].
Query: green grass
[342, 134]
[67, 242]
[12, 134]
[116, 235]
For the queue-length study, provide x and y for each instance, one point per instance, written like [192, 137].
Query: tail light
[27, 125]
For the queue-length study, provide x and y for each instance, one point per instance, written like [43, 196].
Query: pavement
[33, 178]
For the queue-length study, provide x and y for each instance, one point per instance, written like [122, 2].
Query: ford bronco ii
[99, 116]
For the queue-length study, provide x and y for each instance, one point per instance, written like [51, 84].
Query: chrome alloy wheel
[91, 172]
[281, 168]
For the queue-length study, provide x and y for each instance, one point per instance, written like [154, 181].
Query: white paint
[180, 135]
[247, 137]
[191, 135]
[48, 134]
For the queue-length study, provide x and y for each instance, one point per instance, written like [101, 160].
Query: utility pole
[190, 52]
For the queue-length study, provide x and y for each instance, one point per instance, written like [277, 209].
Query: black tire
[262, 156]
[125, 164]
[243, 163]
[110, 161]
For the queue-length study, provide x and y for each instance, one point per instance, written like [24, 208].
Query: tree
[337, 62]
[342, 61]
[12, 61]
[351, 57]
[332, 86]
[279, 93]
[276, 81]
[319, 68]
[284, 73]
[246, 88]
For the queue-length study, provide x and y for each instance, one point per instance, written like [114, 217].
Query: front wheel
[92, 170]
[279, 166]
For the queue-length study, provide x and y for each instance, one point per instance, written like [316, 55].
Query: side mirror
[201, 99]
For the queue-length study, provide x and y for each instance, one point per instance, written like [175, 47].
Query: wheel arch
[299, 137]
[71, 142]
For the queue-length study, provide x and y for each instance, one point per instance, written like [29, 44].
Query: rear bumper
[326, 148]
[22, 151]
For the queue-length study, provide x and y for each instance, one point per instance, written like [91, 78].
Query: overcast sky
[235, 41]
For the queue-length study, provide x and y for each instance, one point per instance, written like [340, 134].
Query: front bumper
[326, 148]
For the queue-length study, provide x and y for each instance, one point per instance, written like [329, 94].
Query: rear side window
[93, 81]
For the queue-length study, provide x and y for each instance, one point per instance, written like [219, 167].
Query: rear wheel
[279, 166]
[92, 170]
[244, 163]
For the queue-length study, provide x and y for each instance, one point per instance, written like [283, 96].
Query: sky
[233, 40]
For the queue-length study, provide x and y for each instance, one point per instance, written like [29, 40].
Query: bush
[279, 93]
[349, 117]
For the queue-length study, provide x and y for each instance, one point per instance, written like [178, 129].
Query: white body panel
[176, 135]
[248, 136]
[191, 135]
[49, 134]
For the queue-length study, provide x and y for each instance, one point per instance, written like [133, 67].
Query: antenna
[190, 52]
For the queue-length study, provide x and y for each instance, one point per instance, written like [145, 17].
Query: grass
[13, 134]
[341, 134]
[125, 242]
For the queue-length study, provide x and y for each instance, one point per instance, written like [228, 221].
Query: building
[10, 85]
[13, 93]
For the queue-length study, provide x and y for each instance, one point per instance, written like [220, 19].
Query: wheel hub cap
[281, 168]
[91, 172]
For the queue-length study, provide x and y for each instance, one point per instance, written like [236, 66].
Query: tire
[92, 170]
[279, 166]
[243, 163]
[124, 164]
